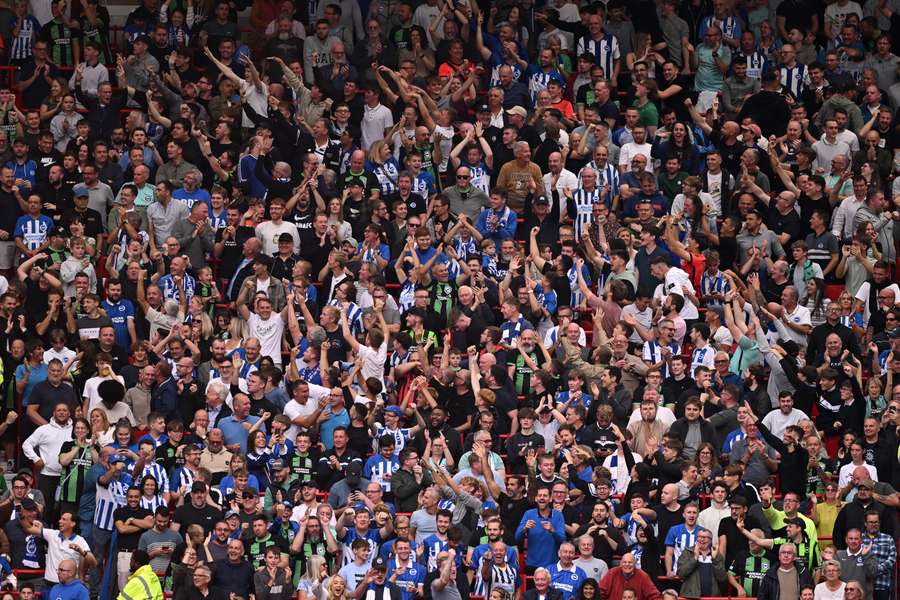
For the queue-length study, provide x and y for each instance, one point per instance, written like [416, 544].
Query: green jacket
[690, 574]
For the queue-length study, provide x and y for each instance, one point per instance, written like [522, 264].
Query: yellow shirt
[826, 515]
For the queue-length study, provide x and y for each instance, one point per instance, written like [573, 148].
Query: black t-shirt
[232, 250]
[339, 346]
[303, 219]
[506, 402]
[796, 13]
[415, 204]
[789, 224]
[93, 226]
[129, 541]
[666, 519]
[206, 517]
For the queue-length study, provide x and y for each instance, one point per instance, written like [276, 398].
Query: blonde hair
[237, 328]
[375, 152]
[328, 593]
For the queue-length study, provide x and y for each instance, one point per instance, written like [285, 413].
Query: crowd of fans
[396, 300]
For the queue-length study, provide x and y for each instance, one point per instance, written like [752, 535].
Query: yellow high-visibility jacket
[143, 584]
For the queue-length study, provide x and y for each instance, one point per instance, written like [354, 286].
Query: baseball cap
[278, 464]
[483, 108]
[518, 110]
[29, 504]
[395, 410]
[354, 473]
[794, 521]
[866, 483]
[379, 564]
[351, 241]
[80, 190]
[285, 237]
[232, 513]
[198, 486]
[542, 200]
[894, 333]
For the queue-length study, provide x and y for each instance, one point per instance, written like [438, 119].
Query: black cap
[354, 472]
[29, 504]
[198, 486]
[797, 521]
[542, 200]
[379, 564]
[483, 108]
[285, 237]
[894, 333]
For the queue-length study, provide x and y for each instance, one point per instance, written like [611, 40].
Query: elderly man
[789, 569]
[627, 577]
[520, 177]
[194, 235]
[858, 562]
[163, 214]
[464, 198]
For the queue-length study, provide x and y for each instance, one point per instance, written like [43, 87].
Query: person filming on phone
[160, 541]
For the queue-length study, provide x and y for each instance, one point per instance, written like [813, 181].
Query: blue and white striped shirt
[572, 276]
[714, 284]
[354, 316]
[605, 50]
[170, 291]
[682, 538]
[702, 357]
[21, 44]
[652, 354]
[387, 174]
[109, 499]
[153, 503]
[378, 467]
[400, 437]
[795, 79]
[158, 473]
[433, 545]
[730, 26]
[607, 175]
[584, 208]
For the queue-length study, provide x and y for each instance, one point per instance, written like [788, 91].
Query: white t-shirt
[836, 14]
[294, 409]
[821, 591]
[268, 233]
[58, 550]
[862, 294]
[678, 282]
[629, 150]
[847, 470]
[90, 390]
[375, 120]
[64, 356]
[800, 316]
[776, 421]
[269, 334]
[645, 319]
[663, 414]
[373, 361]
